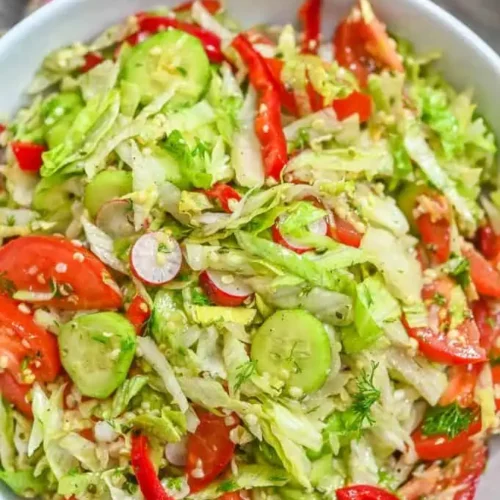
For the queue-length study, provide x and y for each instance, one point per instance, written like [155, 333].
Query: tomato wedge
[488, 242]
[28, 155]
[440, 446]
[37, 263]
[461, 385]
[210, 449]
[15, 393]
[483, 274]
[21, 337]
[344, 232]
[487, 317]
[460, 346]
[138, 313]
[461, 476]
[435, 229]
[362, 44]
[364, 492]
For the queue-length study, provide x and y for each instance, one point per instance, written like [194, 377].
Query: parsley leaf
[198, 298]
[459, 268]
[450, 420]
[6, 285]
[227, 486]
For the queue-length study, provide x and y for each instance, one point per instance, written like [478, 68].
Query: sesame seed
[59, 111]
[79, 257]
[265, 129]
[61, 267]
[4, 362]
[144, 307]
[229, 421]
[198, 474]
[32, 270]
[25, 343]
[227, 279]
[24, 309]
[262, 108]
[114, 354]
[107, 334]
[77, 243]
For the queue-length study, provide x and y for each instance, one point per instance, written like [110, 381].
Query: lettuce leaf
[7, 450]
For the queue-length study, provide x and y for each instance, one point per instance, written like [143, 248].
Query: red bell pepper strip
[144, 470]
[28, 155]
[138, 313]
[92, 59]
[355, 103]
[153, 24]
[364, 492]
[310, 16]
[213, 6]
[268, 125]
[224, 194]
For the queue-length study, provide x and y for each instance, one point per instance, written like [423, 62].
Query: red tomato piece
[461, 386]
[488, 242]
[92, 59]
[344, 232]
[440, 446]
[35, 263]
[364, 492]
[138, 313]
[434, 340]
[28, 155]
[210, 449]
[461, 476]
[3, 128]
[356, 103]
[22, 340]
[213, 6]
[484, 275]
[362, 44]
[487, 317]
[435, 229]
[224, 194]
[231, 496]
[15, 393]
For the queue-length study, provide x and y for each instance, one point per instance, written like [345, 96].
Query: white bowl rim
[53, 8]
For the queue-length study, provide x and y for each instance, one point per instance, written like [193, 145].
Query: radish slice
[116, 218]
[319, 227]
[156, 258]
[224, 289]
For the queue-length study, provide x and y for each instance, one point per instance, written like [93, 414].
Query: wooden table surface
[483, 16]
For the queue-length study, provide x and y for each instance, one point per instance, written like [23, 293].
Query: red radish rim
[146, 249]
[319, 227]
[231, 289]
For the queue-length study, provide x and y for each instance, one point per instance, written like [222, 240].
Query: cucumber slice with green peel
[97, 351]
[106, 186]
[407, 199]
[293, 346]
[54, 197]
[169, 59]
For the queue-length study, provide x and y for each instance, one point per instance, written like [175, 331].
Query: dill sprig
[363, 400]
[244, 372]
[449, 420]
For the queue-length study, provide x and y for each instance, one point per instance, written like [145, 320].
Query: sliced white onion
[229, 284]
[116, 218]
[156, 258]
[176, 453]
[319, 227]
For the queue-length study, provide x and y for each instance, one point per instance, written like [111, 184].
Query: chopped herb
[198, 298]
[6, 285]
[439, 299]
[227, 486]
[491, 322]
[11, 221]
[450, 420]
[245, 371]
[459, 268]
[366, 396]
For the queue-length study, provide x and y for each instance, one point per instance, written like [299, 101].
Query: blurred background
[483, 16]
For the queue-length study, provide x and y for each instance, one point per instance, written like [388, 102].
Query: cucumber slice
[54, 197]
[106, 186]
[97, 351]
[208, 315]
[293, 346]
[169, 58]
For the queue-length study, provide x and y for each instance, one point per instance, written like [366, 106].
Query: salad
[247, 264]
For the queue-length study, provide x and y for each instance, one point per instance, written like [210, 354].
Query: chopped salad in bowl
[247, 264]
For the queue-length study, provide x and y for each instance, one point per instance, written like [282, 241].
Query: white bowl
[468, 61]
